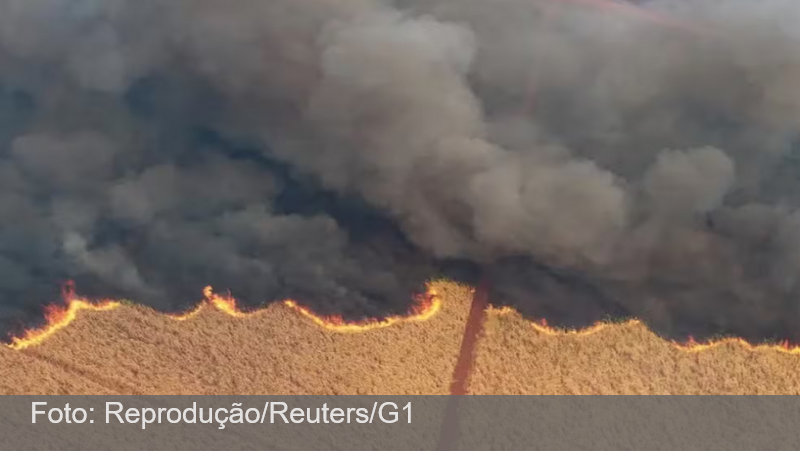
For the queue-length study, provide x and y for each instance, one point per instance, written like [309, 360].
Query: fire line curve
[59, 316]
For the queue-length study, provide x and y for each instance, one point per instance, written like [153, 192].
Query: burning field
[623, 358]
[130, 349]
[122, 348]
[587, 159]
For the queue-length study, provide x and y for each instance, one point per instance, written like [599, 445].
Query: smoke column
[341, 152]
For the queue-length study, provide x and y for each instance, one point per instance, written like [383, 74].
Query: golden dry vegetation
[513, 357]
[134, 350]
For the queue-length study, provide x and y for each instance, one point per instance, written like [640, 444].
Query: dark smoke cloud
[342, 151]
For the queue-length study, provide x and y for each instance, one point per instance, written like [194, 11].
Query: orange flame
[690, 345]
[542, 327]
[187, 315]
[784, 346]
[427, 306]
[224, 303]
[58, 317]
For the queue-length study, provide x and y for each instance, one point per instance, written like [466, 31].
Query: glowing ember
[425, 309]
[58, 317]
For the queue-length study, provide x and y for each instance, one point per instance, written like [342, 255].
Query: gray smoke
[592, 162]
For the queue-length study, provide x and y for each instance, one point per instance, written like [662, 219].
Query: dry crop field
[278, 350]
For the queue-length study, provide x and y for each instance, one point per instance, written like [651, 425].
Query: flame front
[427, 306]
[783, 346]
[690, 345]
[223, 303]
[58, 317]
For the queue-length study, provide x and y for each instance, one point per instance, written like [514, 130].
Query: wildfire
[224, 303]
[187, 315]
[58, 317]
[783, 346]
[427, 306]
[542, 327]
[690, 345]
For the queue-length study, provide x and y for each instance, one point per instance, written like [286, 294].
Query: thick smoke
[592, 162]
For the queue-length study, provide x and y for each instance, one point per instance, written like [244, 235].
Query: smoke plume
[590, 159]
